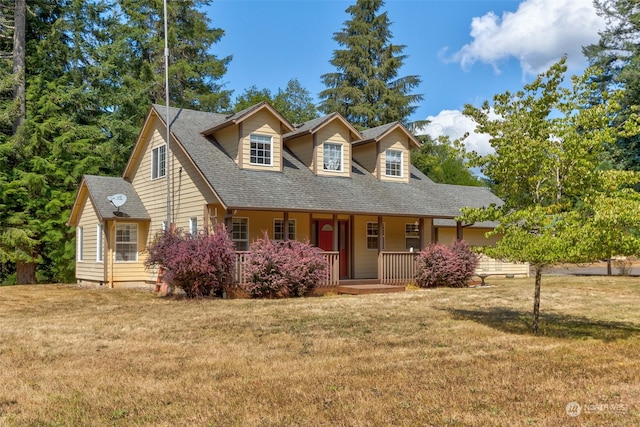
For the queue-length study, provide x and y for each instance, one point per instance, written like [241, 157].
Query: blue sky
[465, 51]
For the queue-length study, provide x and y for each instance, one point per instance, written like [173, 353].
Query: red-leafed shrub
[280, 269]
[441, 265]
[199, 264]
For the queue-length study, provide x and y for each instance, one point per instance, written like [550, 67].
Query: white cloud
[454, 124]
[537, 35]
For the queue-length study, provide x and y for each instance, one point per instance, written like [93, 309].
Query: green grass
[441, 357]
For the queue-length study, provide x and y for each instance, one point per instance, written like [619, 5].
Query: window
[260, 150]
[79, 243]
[393, 163]
[159, 162]
[372, 235]
[126, 242]
[332, 156]
[193, 225]
[240, 233]
[278, 229]
[99, 248]
[412, 236]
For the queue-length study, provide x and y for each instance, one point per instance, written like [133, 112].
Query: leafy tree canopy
[549, 142]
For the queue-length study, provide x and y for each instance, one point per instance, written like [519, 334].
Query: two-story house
[353, 194]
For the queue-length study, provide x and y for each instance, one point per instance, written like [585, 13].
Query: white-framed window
[164, 225]
[393, 163]
[332, 156]
[261, 152]
[99, 248]
[412, 236]
[278, 229]
[240, 233]
[79, 243]
[126, 243]
[159, 162]
[372, 235]
[193, 225]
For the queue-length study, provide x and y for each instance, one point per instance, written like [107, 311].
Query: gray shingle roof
[101, 187]
[296, 188]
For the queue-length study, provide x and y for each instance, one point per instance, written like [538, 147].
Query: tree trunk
[609, 267]
[536, 300]
[25, 273]
[19, 42]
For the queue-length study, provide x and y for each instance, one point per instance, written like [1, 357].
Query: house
[353, 194]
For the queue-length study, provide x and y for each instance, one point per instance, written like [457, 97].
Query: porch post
[380, 240]
[458, 230]
[228, 220]
[335, 232]
[350, 247]
[285, 221]
[421, 229]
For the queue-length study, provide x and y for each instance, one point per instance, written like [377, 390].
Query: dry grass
[444, 357]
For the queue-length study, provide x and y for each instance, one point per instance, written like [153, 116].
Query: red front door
[326, 232]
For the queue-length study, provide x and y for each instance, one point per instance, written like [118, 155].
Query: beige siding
[262, 123]
[132, 272]
[396, 140]
[302, 148]
[89, 269]
[190, 193]
[473, 236]
[260, 221]
[228, 139]
[367, 156]
[335, 133]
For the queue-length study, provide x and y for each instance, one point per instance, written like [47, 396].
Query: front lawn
[445, 357]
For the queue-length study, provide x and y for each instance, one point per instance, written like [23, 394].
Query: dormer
[324, 145]
[385, 151]
[253, 137]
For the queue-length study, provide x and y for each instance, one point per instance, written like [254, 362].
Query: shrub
[279, 269]
[199, 264]
[441, 265]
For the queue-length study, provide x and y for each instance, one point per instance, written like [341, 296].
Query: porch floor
[360, 287]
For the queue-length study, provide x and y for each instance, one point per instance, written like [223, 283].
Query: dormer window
[393, 164]
[159, 162]
[261, 150]
[332, 157]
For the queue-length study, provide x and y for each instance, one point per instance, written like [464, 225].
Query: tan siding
[228, 139]
[262, 123]
[396, 140]
[336, 133]
[302, 148]
[263, 220]
[89, 269]
[367, 156]
[473, 236]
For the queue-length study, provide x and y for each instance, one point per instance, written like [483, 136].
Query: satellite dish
[117, 200]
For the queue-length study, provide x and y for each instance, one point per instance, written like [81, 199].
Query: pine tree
[93, 67]
[366, 88]
[617, 54]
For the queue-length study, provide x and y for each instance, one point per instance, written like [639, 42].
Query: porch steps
[361, 287]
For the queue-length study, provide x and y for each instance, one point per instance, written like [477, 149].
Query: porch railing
[397, 268]
[333, 268]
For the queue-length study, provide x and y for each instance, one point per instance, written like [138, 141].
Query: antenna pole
[166, 91]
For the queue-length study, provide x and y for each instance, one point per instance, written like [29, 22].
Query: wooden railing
[397, 268]
[333, 268]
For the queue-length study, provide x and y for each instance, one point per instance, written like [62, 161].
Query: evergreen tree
[93, 67]
[617, 55]
[366, 88]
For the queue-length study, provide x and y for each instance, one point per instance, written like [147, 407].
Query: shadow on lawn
[551, 324]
